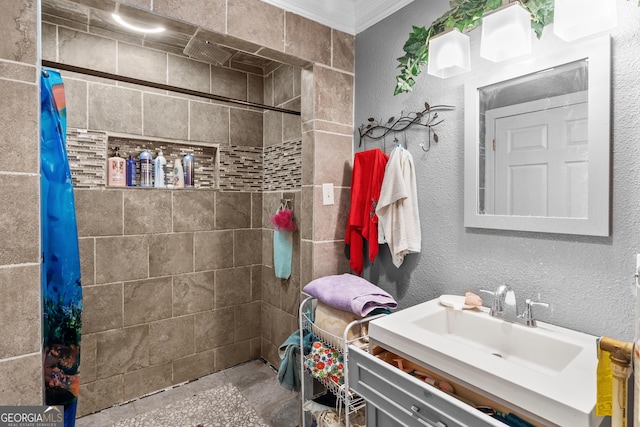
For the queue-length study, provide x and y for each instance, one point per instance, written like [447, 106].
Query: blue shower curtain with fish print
[61, 287]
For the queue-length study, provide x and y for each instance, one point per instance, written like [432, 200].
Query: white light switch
[327, 193]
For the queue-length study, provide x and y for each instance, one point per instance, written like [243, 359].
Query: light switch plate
[327, 194]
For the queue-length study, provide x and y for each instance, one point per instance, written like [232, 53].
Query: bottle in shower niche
[158, 170]
[116, 170]
[187, 164]
[178, 174]
[131, 172]
[146, 166]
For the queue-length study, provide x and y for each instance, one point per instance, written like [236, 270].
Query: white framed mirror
[537, 143]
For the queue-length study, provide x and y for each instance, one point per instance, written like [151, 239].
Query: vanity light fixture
[506, 33]
[132, 27]
[449, 54]
[574, 19]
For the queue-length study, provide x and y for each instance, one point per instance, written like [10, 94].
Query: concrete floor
[245, 395]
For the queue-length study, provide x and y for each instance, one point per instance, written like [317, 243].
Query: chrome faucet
[505, 305]
[527, 316]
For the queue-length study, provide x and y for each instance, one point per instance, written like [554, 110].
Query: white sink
[548, 371]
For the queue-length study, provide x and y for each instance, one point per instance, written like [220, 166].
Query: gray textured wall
[586, 279]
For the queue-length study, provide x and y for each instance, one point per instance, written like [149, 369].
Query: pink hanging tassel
[283, 220]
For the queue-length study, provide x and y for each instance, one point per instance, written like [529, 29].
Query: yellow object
[604, 385]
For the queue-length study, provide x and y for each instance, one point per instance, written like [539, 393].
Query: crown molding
[370, 12]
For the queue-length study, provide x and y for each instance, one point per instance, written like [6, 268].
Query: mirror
[537, 143]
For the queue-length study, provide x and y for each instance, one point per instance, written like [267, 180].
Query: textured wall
[586, 279]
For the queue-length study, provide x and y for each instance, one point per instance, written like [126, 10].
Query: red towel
[366, 180]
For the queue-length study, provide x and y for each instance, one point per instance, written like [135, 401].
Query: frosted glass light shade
[574, 19]
[506, 33]
[449, 54]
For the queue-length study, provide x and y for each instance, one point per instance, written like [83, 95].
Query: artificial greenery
[463, 15]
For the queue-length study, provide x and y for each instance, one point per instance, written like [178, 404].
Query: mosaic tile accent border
[87, 153]
[283, 166]
[241, 168]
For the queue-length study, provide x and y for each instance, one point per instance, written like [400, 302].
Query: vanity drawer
[407, 400]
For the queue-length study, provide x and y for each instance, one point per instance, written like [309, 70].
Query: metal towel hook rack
[428, 118]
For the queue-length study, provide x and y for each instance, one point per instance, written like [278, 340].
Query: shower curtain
[61, 288]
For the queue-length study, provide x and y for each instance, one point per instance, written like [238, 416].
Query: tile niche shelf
[88, 151]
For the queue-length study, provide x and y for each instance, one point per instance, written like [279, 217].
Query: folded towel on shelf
[289, 352]
[330, 323]
[350, 293]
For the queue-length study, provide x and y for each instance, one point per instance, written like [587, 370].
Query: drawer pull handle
[416, 410]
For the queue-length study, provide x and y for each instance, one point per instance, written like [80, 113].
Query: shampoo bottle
[158, 173]
[116, 170]
[131, 172]
[145, 168]
[178, 174]
[187, 163]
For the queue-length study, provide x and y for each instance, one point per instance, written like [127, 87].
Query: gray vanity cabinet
[395, 398]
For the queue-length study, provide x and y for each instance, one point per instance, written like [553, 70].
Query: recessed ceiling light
[125, 24]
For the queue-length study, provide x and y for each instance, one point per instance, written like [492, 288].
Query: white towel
[397, 209]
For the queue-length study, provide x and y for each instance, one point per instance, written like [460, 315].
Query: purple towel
[350, 293]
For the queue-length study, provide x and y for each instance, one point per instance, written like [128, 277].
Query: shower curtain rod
[102, 74]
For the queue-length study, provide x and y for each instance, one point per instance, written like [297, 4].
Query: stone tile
[213, 250]
[102, 308]
[86, 50]
[194, 366]
[270, 353]
[147, 300]
[20, 288]
[208, 123]
[100, 394]
[308, 157]
[306, 262]
[147, 211]
[281, 414]
[246, 128]
[306, 226]
[333, 156]
[229, 83]
[115, 109]
[171, 339]
[18, 32]
[189, 74]
[267, 248]
[329, 258]
[283, 84]
[255, 89]
[256, 210]
[22, 214]
[290, 295]
[144, 381]
[267, 312]
[268, 396]
[209, 14]
[271, 287]
[272, 128]
[256, 348]
[193, 293]
[249, 374]
[271, 201]
[16, 71]
[331, 127]
[308, 39]
[281, 326]
[88, 357]
[19, 100]
[214, 328]
[247, 322]
[142, 63]
[291, 126]
[233, 286]
[256, 283]
[344, 48]
[233, 210]
[99, 212]
[193, 210]
[331, 220]
[21, 380]
[268, 89]
[308, 98]
[334, 100]
[247, 247]
[170, 254]
[232, 355]
[165, 117]
[122, 350]
[122, 258]
[256, 21]
[76, 97]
